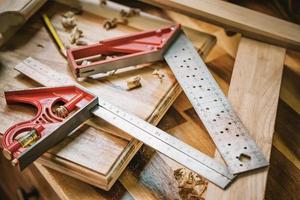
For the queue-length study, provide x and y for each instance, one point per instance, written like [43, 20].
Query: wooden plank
[227, 45]
[283, 179]
[287, 139]
[287, 125]
[107, 155]
[13, 14]
[284, 139]
[153, 107]
[250, 23]
[144, 21]
[254, 92]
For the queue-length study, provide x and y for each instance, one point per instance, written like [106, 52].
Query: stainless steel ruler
[237, 148]
[138, 128]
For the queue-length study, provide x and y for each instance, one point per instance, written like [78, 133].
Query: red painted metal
[45, 120]
[123, 47]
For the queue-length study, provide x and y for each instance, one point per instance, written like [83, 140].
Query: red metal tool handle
[45, 120]
[121, 52]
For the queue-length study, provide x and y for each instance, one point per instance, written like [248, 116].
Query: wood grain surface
[227, 46]
[283, 177]
[108, 154]
[13, 14]
[250, 23]
[254, 93]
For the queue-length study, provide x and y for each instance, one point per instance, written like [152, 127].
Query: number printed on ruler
[225, 128]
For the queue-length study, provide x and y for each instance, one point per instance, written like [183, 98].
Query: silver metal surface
[138, 128]
[165, 143]
[123, 62]
[238, 149]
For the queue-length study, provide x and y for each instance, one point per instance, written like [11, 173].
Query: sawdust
[158, 74]
[68, 20]
[130, 13]
[112, 23]
[134, 82]
[191, 185]
[69, 14]
[75, 35]
[68, 23]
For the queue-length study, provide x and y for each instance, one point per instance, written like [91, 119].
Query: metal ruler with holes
[138, 128]
[237, 148]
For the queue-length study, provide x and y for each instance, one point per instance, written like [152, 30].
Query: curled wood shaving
[159, 75]
[75, 35]
[134, 82]
[69, 14]
[68, 20]
[112, 23]
[191, 185]
[130, 13]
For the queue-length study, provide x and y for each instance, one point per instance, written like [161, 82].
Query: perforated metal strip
[238, 149]
[138, 128]
[166, 144]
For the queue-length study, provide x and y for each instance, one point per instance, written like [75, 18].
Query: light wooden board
[233, 17]
[112, 153]
[227, 45]
[106, 156]
[255, 100]
[283, 186]
[14, 13]
[280, 187]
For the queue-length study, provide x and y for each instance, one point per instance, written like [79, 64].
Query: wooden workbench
[284, 175]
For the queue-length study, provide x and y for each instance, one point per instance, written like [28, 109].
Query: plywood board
[13, 14]
[107, 155]
[250, 23]
[254, 93]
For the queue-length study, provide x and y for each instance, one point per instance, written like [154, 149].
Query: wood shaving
[191, 185]
[68, 14]
[68, 22]
[159, 75]
[134, 82]
[75, 35]
[112, 23]
[81, 43]
[130, 13]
